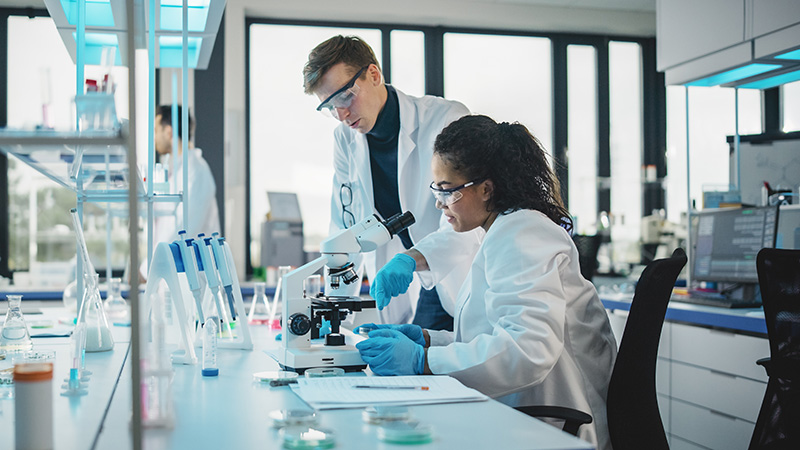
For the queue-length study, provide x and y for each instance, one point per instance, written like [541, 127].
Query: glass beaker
[15, 336]
[98, 333]
[116, 306]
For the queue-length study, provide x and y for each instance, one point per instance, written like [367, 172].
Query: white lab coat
[421, 120]
[529, 329]
[203, 210]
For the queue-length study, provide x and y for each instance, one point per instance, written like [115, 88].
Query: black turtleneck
[382, 140]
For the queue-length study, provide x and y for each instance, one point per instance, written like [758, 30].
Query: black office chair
[778, 423]
[588, 246]
[634, 421]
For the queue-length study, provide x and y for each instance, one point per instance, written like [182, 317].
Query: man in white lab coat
[203, 211]
[382, 155]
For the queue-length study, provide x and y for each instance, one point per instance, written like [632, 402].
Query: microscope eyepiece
[399, 222]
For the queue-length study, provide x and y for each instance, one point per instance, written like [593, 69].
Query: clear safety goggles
[342, 98]
[446, 197]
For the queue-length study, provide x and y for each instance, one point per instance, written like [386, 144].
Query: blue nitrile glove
[390, 352]
[413, 332]
[325, 328]
[393, 279]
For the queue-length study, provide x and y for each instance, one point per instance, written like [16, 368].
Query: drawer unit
[735, 396]
[663, 376]
[677, 443]
[663, 409]
[735, 354]
[710, 429]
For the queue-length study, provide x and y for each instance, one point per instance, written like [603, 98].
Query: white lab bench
[231, 411]
[709, 386]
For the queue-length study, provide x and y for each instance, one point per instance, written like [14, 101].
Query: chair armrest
[572, 418]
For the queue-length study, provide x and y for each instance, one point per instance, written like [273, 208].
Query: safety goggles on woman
[446, 197]
[341, 98]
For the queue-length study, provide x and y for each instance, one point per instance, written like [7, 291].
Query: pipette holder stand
[297, 352]
[166, 265]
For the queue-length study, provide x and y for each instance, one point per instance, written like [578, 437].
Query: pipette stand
[166, 264]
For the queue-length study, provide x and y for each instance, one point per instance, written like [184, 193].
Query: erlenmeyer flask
[15, 336]
[98, 333]
[116, 306]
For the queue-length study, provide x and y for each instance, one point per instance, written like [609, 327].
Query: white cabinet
[687, 29]
[773, 15]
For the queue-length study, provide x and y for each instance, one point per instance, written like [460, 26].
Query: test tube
[210, 347]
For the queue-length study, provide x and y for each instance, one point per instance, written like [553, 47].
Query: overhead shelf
[105, 27]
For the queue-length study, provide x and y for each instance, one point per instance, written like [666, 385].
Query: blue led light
[795, 54]
[734, 74]
[95, 42]
[771, 82]
[170, 54]
[172, 14]
[98, 13]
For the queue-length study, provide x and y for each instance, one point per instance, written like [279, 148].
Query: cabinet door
[687, 29]
[772, 15]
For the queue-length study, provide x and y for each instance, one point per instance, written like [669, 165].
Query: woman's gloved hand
[390, 352]
[413, 332]
[393, 279]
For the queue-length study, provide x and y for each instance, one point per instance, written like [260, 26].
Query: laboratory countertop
[231, 410]
[747, 320]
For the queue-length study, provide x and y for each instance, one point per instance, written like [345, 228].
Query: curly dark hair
[508, 154]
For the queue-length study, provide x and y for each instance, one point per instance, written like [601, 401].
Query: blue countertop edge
[730, 319]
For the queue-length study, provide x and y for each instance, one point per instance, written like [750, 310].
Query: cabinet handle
[722, 414]
[724, 374]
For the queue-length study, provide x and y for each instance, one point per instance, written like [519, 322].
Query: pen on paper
[421, 388]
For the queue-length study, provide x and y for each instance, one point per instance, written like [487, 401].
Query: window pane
[625, 116]
[408, 61]
[712, 119]
[508, 78]
[41, 89]
[582, 137]
[791, 106]
[291, 144]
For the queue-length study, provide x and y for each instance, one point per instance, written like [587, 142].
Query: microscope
[303, 311]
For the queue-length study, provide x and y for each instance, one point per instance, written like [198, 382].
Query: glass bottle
[116, 306]
[15, 336]
[98, 332]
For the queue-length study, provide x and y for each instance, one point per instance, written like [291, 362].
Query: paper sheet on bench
[339, 392]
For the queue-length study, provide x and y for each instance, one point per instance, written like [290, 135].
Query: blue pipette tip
[210, 372]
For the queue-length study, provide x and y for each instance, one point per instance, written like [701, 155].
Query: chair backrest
[778, 423]
[588, 246]
[633, 418]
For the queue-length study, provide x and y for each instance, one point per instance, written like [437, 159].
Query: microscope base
[299, 359]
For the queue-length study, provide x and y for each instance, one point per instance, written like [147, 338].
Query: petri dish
[382, 414]
[307, 438]
[293, 417]
[320, 372]
[280, 375]
[364, 330]
[6, 385]
[405, 432]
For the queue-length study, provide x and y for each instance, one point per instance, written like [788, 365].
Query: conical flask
[98, 333]
[116, 307]
[15, 336]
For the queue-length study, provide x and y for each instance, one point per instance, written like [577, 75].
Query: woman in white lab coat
[529, 330]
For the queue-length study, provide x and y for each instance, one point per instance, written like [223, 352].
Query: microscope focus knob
[299, 324]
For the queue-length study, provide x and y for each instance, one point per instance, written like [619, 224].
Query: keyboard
[717, 299]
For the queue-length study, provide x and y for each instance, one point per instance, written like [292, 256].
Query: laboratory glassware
[116, 306]
[93, 315]
[157, 406]
[70, 296]
[259, 295]
[210, 329]
[15, 335]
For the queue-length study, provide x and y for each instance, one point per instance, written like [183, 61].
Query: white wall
[452, 13]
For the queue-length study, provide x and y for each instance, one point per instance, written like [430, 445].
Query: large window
[626, 136]
[582, 136]
[408, 61]
[712, 117]
[41, 91]
[508, 78]
[791, 106]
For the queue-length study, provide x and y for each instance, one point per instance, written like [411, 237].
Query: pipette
[190, 267]
[73, 383]
[88, 268]
[202, 249]
[224, 272]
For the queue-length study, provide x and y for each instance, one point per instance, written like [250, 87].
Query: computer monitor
[788, 234]
[726, 242]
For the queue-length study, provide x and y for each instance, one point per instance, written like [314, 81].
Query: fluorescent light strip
[95, 42]
[734, 74]
[172, 15]
[170, 51]
[98, 12]
[771, 82]
[795, 54]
